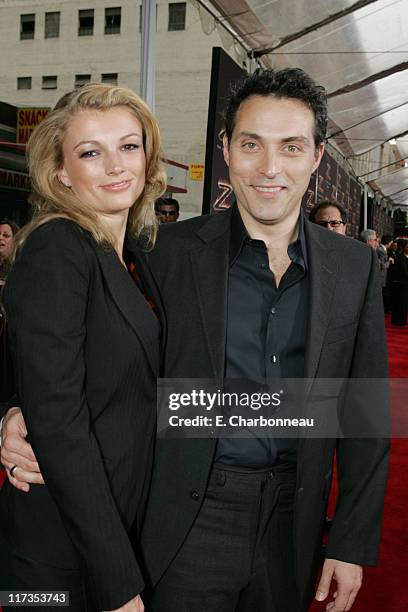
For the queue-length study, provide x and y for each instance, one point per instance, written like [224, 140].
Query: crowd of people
[100, 302]
[392, 257]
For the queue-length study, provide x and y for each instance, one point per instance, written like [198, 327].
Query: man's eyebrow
[249, 135]
[256, 136]
[303, 139]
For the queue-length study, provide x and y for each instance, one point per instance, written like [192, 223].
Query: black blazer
[85, 346]
[400, 270]
[346, 338]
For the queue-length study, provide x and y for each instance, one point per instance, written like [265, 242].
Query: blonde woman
[85, 327]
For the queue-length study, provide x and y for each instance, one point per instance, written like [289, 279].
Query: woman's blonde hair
[53, 200]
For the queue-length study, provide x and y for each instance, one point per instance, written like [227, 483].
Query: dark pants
[27, 575]
[238, 555]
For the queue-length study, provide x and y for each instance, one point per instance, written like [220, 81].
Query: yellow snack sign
[196, 172]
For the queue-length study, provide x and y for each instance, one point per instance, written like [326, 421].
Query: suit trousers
[238, 556]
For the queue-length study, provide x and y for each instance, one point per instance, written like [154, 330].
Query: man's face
[168, 213]
[330, 218]
[6, 240]
[373, 242]
[271, 156]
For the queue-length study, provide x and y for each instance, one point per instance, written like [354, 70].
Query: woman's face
[6, 240]
[104, 159]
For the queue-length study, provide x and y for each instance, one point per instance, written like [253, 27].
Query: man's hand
[349, 578]
[134, 605]
[15, 451]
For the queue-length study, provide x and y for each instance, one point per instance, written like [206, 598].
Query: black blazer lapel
[131, 303]
[151, 286]
[323, 267]
[209, 264]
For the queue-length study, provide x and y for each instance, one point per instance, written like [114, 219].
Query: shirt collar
[297, 250]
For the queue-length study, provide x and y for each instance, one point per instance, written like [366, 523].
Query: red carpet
[385, 588]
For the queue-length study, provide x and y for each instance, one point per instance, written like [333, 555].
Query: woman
[8, 229]
[85, 341]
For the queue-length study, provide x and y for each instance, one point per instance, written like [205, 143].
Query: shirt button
[274, 359]
[273, 310]
[195, 495]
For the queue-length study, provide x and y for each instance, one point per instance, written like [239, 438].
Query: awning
[357, 49]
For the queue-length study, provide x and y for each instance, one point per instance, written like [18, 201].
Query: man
[8, 229]
[169, 210]
[329, 214]
[369, 236]
[384, 263]
[236, 524]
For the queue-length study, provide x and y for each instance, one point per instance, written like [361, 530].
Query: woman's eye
[88, 154]
[130, 146]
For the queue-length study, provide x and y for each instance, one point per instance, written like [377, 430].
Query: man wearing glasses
[169, 210]
[330, 215]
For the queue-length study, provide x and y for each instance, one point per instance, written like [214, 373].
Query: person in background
[85, 325]
[8, 229]
[169, 210]
[369, 236]
[392, 249]
[330, 215]
[399, 285]
[384, 261]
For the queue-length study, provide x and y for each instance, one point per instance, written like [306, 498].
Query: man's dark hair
[325, 204]
[292, 83]
[172, 202]
[386, 239]
[13, 225]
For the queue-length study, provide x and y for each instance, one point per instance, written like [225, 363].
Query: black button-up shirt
[266, 331]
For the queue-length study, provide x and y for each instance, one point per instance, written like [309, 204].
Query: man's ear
[63, 177]
[318, 156]
[225, 149]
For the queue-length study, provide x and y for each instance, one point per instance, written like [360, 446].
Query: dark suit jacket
[400, 270]
[86, 353]
[346, 338]
[383, 263]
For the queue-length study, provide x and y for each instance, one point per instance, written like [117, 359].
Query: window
[81, 79]
[23, 82]
[49, 82]
[177, 16]
[86, 22]
[140, 18]
[110, 77]
[112, 20]
[27, 26]
[52, 25]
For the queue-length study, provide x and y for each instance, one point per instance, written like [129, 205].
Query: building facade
[48, 47]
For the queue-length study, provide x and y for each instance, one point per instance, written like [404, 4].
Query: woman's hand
[17, 456]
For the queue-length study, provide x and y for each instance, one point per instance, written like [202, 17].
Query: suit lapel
[131, 303]
[209, 265]
[323, 267]
[151, 287]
